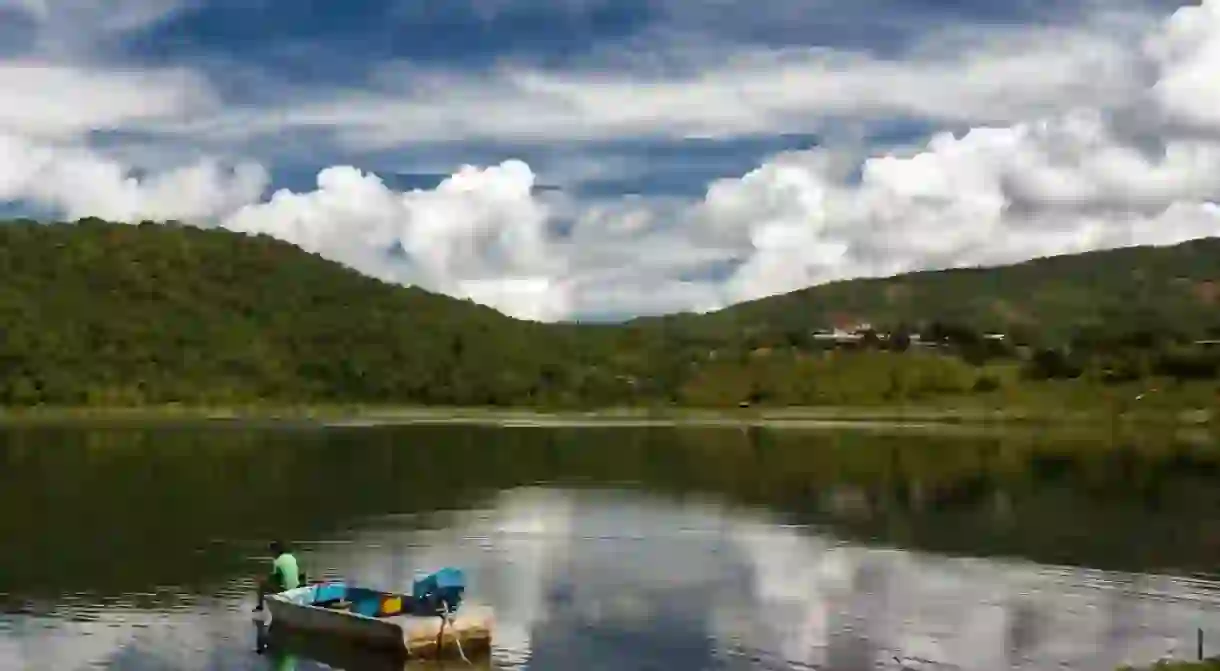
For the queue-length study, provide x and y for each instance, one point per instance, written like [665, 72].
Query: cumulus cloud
[993, 195]
[1104, 143]
[480, 234]
[1188, 52]
[65, 85]
[80, 183]
[1065, 182]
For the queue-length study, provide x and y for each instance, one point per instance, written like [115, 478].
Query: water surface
[616, 547]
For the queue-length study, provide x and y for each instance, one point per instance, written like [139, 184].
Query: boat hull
[410, 635]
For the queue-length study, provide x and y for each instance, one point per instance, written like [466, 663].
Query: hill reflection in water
[618, 548]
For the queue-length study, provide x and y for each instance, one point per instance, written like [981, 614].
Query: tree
[1047, 364]
[900, 338]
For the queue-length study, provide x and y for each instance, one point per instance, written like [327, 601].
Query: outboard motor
[440, 592]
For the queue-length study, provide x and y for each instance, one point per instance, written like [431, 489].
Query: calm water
[616, 548]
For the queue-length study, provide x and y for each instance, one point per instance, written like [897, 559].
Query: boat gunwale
[279, 597]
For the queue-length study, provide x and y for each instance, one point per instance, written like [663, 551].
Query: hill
[1175, 288]
[102, 314]
[114, 314]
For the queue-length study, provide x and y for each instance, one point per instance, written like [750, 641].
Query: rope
[447, 616]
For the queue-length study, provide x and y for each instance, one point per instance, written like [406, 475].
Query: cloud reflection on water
[605, 579]
[599, 579]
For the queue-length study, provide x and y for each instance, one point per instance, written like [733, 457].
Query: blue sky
[662, 141]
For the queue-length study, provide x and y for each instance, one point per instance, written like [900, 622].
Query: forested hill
[1176, 288]
[104, 313]
[94, 313]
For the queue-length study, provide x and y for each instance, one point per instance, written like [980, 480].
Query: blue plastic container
[331, 591]
[446, 586]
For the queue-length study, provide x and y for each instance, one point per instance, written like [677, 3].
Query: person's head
[277, 548]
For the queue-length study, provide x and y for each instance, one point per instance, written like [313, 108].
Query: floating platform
[394, 623]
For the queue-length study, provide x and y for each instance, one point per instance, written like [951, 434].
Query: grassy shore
[1053, 408]
[1074, 402]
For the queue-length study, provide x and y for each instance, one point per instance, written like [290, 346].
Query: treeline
[1128, 355]
[940, 360]
[94, 313]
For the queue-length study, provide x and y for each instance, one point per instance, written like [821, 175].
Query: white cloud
[1064, 182]
[994, 195]
[55, 101]
[71, 27]
[79, 183]
[70, 81]
[700, 90]
[1188, 51]
[480, 234]
[64, 87]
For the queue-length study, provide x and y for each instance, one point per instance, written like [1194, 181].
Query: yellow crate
[391, 605]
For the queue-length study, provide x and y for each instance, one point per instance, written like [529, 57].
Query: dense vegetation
[1176, 288]
[98, 313]
[94, 313]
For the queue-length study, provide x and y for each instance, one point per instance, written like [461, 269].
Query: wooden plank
[472, 626]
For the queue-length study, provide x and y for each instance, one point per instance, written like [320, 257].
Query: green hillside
[101, 314]
[1174, 288]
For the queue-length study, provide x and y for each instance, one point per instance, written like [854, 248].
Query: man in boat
[285, 574]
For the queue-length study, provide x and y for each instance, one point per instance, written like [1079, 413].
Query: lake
[618, 548]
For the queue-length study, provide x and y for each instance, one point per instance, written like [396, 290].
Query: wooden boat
[281, 646]
[431, 622]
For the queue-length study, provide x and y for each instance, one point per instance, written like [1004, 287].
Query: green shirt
[284, 569]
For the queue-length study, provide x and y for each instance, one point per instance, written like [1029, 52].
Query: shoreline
[1212, 664]
[827, 416]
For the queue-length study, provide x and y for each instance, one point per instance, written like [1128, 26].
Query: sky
[600, 159]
